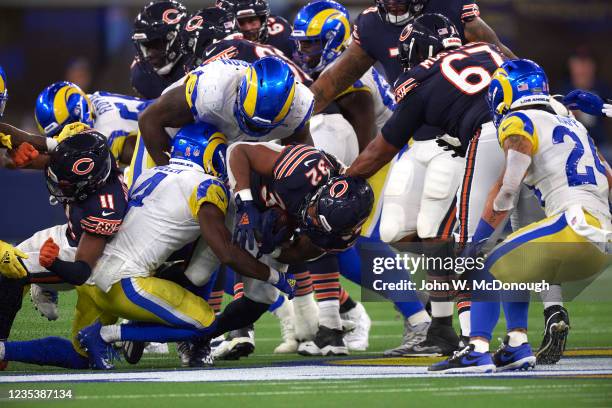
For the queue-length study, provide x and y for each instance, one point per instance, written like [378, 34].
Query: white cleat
[183, 349]
[45, 301]
[357, 339]
[306, 321]
[287, 318]
[328, 342]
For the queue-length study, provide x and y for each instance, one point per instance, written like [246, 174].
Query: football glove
[286, 284]
[71, 130]
[23, 155]
[270, 240]
[248, 220]
[587, 102]
[458, 150]
[10, 261]
[49, 251]
[5, 141]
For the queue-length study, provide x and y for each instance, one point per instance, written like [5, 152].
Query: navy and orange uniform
[149, 84]
[445, 91]
[279, 35]
[101, 213]
[236, 47]
[298, 172]
[379, 38]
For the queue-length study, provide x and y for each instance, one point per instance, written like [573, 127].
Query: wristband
[483, 231]
[244, 194]
[274, 276]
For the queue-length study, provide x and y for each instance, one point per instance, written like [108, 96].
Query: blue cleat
[508, 358]
[99, 352]
[465, 361]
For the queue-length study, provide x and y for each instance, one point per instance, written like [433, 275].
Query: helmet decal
[338, 189]
[83, 166]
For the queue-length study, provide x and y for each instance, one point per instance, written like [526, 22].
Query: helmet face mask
[155, 37]
[251, 15]
[321, 31]
[399, 12]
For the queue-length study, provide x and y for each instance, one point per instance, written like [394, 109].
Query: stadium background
[88, 41]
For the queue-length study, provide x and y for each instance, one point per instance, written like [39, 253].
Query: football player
[258, 102]
[257, 25]
[536, 143]
[157, 63]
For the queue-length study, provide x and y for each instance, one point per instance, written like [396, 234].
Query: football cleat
[508, 358]
[357, 339]
[183, 349]
[132, 351]
[441, 340]
[239, 343]
[465, 361]
[45, 301]
[99, 352]
[286, 317]
[200, 354]
[413, 336]
[156, 348]
[327, 342]
[556, 329]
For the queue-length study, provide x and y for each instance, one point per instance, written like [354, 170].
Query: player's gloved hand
[70, 130]
[10, 261]
[24, 154]
[458, 150]
[483, 232]
[5, 140]
[285, 282]
[248, 220]
[270, 240]
[49, 251]
[587, 102]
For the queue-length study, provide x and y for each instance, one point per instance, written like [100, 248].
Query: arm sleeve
[406, 119]
[518, 123]
[75, 273]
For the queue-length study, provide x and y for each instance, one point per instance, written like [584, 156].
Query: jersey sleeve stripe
[288, 159]
[300, 160]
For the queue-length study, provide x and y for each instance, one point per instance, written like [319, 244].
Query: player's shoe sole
[239, 349]
[551, 351]
[523, 364]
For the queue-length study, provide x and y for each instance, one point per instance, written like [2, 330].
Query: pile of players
[245, 173]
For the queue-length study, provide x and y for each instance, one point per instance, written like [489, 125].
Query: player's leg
[304, 305]
[515, 352]
[326, 283]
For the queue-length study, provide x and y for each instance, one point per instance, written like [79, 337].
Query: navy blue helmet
[398, 12]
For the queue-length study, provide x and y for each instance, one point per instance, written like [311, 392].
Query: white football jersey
[565, 170]
[162, 218]
[116, 117]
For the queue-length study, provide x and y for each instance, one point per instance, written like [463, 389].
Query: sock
[11, 295]
[162, 334]
[418, 318]
[346, 302]
[303, 279]
[441, 309]
[442, 321]
[278, 303]
[239, 313]
[516, 338]
[111, 333]
[464, 322]
[483, 319]
[329, 314]
[480, 346]
[54, 351]
[216, 295]
[230, 277]
[238, 290]
[552, 297]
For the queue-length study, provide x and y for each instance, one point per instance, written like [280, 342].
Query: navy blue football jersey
[100, 213]
[298, 172]
[151, 85]
[379, 38]
[279, 35]
[447, 91]
[241, 49]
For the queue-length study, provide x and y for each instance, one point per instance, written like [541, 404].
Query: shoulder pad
[518, 123]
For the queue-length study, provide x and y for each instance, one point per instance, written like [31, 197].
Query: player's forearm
[373, 158]
[19, 136]
[492, 217]
[302, 250]
[155, 138]
[351, 65]
[239, 167]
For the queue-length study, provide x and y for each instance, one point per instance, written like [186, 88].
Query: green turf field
[591, 328]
